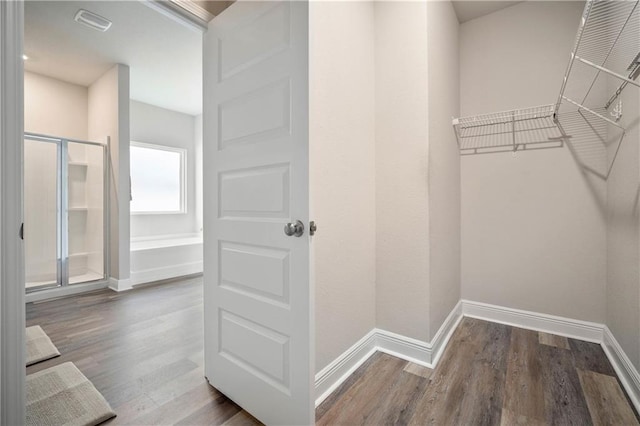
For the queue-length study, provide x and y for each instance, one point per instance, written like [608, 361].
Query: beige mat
[62, 395]
[39, 346]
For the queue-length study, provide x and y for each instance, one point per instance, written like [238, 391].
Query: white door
[257, 295]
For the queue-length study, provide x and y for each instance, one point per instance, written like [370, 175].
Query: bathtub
[166, 256]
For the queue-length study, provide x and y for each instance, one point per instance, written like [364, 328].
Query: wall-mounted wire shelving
[604, 61]
[524, 129]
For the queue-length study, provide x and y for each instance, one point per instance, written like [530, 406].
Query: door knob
[294, 229]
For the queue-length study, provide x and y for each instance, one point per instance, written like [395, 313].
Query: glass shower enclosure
[65, 212]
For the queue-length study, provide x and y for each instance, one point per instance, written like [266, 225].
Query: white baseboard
[120, 285]
[625, 370]
[329, 378]
[416, 351]
[165, 272]
[442, 337]
[403, 347]
[576, 329]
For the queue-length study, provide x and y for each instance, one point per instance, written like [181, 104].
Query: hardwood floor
[490, 374]
[143, 351]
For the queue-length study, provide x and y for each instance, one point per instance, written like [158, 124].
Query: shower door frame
[62, 210]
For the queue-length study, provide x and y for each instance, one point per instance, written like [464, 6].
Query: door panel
[258, 311]
[41, 209]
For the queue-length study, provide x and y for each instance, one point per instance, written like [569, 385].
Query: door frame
[12, 289]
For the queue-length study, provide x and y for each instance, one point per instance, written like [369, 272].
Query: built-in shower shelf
[82, 254]
[78, 209]
[87, 277]
[78, 164]
[515, 130]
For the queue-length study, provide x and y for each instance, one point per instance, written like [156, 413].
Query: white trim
[575, 329]
[165, 272]
[423, 353]
[404, 347]
[64, 291]
[442, 337]
[330, 377]
[120, 285]
[178, 14]
[12, 286]
[627, 373]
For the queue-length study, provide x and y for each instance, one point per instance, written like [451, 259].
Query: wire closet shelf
[524, 129]
[605, 59]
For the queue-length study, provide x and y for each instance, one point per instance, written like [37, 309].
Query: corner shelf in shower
[515, 130]
[84, 278]
[77, 164]
[78, 209]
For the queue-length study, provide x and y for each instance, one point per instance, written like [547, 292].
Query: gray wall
[402, 172]
[444, 162]
[160, 126]
[342, 173]
[533, 226]
[623, 253]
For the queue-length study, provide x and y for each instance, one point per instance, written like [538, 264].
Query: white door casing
[257, 287]
[12, 308]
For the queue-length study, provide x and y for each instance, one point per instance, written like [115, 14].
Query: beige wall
[623, 245]
[533, 226]
[402, 158]
[342, 176]
[444, 162]
[109, 117]
[54, 107]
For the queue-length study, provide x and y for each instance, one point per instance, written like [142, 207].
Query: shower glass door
[64, 215]
[41, 207]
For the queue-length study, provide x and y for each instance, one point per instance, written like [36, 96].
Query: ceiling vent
[92, 20]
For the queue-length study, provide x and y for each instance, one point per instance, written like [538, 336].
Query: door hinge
[21, 232]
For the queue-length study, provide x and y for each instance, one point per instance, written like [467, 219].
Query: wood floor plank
[485, 397]
[524, 391]
[606, 400]
[590, 357]
[398, 401]
[553, 340]
[509, 418]
[360, 401]
[564, 399]
[242, 419]
[467, 385]
[418, 370]
[336, 395]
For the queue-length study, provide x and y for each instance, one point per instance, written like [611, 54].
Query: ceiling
[468, 10]
[164, 56]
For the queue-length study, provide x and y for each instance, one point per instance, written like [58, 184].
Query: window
[158, 183]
